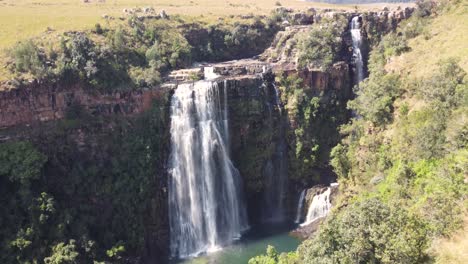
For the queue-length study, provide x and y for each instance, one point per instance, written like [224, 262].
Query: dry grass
[453, 250]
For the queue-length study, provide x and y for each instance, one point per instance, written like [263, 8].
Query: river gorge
[233, 155]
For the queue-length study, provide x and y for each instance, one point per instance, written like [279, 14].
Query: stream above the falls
[252, 244]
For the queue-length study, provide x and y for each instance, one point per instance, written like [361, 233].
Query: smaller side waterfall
[209, 73]
[357, 55]
[300, 204]
[275, 170]
[319, 207]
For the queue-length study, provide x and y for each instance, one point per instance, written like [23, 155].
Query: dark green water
[251, 245]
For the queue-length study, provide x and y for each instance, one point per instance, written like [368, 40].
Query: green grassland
[446, 37]
[20, 19]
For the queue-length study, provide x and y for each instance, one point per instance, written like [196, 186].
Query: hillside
[445, 37]
[402, 162]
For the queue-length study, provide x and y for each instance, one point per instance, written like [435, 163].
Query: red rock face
[38, 103]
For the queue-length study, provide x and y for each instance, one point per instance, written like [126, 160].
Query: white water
[300, 204]
[276, 168]
[357, 55]
[319, 207]
[209, 73]
[206, 209]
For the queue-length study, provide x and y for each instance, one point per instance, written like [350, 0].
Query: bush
[63, 254]
[20, 162]
[98, 29]
[375, 97]
[272, 257]
[447, 87]
[368, 232]
[28, 59]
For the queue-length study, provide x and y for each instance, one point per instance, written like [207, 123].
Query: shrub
[98, 29]
[368, 232]
[20, 162]
[63, 254]
[272, 257]
[28, 58]
[375, 97]
[448, 86]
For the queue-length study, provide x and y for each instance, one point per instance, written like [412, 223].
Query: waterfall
[209, 73]
[319, 207]
[206, 209]
[276, 168]
[357, 55]
[300, 204]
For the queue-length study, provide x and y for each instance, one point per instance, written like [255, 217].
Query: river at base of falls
[252, 244]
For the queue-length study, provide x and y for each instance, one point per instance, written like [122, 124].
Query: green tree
[368, 232]
[375, 97]
[272, 257]
[63, 254]
[20, 162]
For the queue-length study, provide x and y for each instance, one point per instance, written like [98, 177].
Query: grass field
[22, 19]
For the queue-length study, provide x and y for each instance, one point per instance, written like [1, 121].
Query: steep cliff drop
[357, 55]
[206, 208]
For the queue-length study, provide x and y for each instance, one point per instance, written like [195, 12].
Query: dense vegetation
[323, 44]
[314, 119]
[137, 52]
[67, 199]
[402, 162]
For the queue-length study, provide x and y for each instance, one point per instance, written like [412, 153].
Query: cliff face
[40, 102]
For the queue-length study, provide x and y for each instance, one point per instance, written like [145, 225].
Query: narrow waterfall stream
[319, 207]
[357, 55]
[206, 209]
[276, 169]
[300, 205]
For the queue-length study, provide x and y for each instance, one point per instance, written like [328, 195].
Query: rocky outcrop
[41, 102]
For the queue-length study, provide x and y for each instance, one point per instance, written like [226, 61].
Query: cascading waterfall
[275, 171]
[319, 207]
[206, 208]
[300, 204]
[357, 55]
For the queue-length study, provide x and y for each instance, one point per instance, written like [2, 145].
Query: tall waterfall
[276, 168]
[357, 55]
[319, 207]
[300, 204]
[206, 209]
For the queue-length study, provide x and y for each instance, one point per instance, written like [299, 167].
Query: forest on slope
[402, 164]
